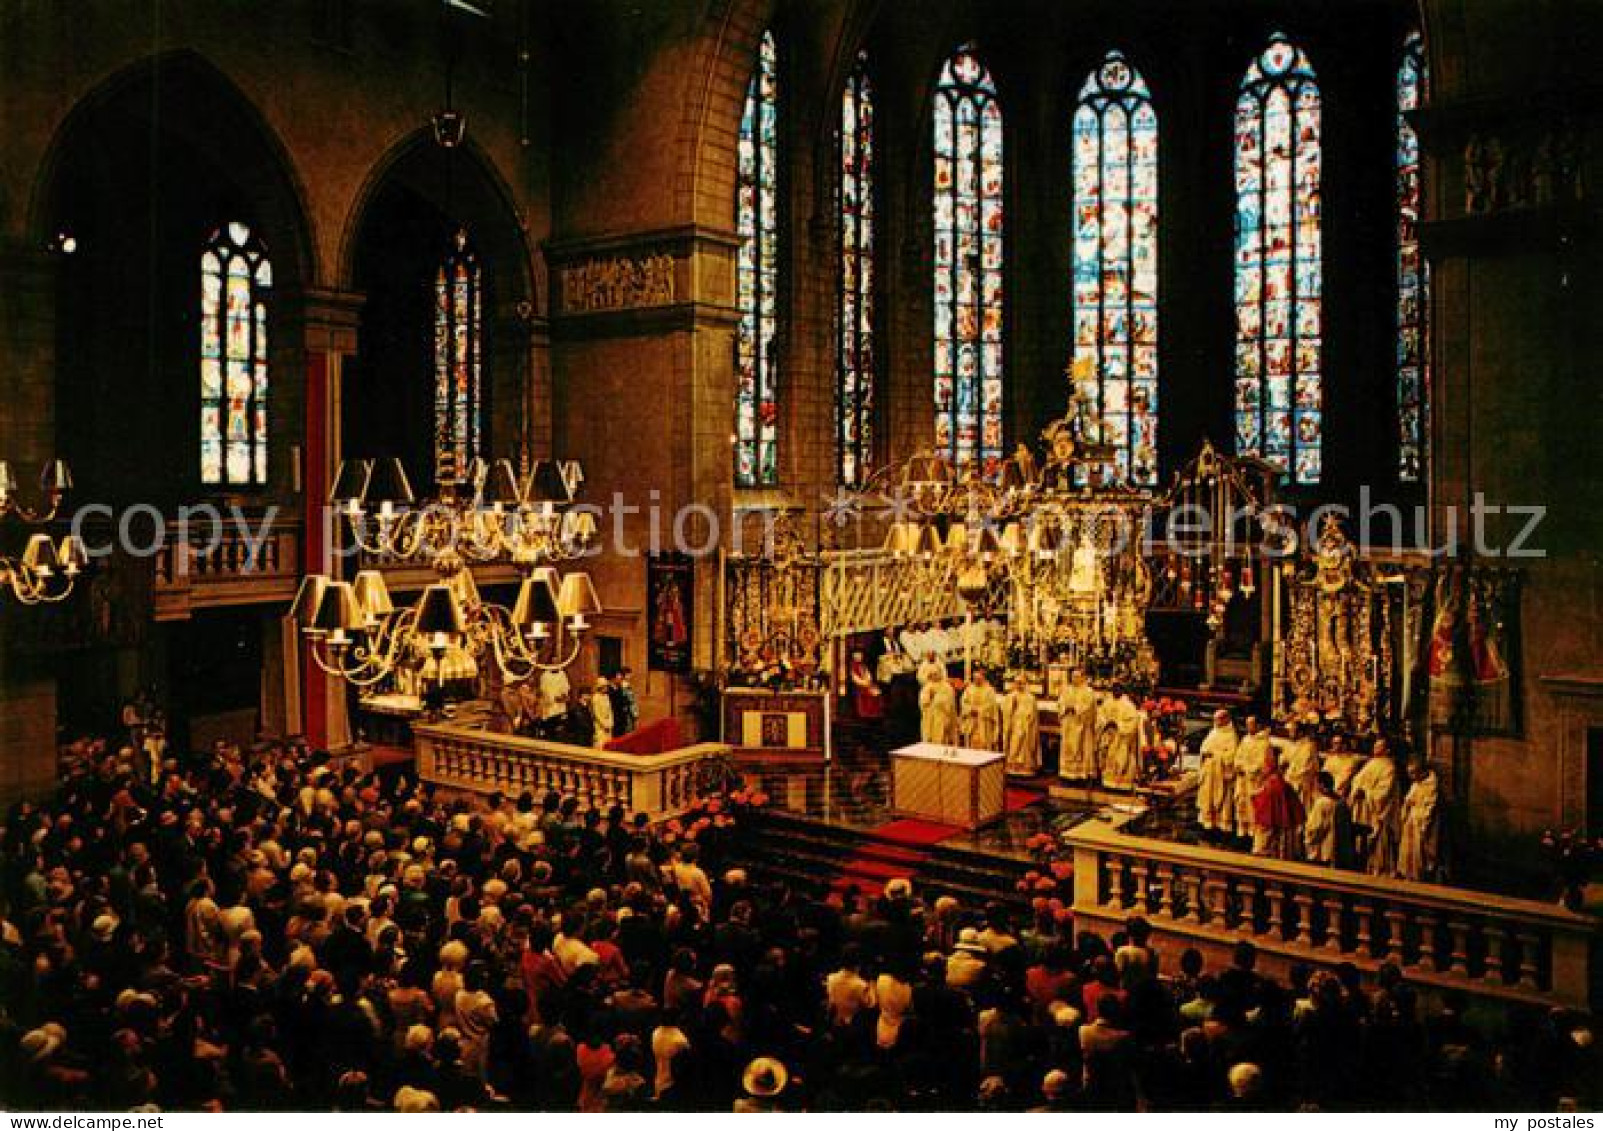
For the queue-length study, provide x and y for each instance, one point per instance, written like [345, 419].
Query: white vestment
[1216, 803]
[1420, 844]
[1319, 830]
[1077, 721]
[1299, 761]
[1374, 802]
[1021, 731]
[554, 688]
[1250, 751]
[1122, 719]
[982, 718]
[937, 706]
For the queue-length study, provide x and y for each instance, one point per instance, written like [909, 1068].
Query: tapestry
[670, 604]
[1472, 657]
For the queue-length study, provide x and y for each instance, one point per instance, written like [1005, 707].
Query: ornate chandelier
[48, 568]
[451, 633]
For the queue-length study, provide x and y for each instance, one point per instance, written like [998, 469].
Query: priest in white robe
[1216, 802]
[1419, 848]
[982, 714]
[1299, 762]
[1021, 729]
[1122, 723]
[1249, 776]
[937, 709]
[1077, 721]
[1376, 803]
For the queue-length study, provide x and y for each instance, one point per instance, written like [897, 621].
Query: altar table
[949, 784]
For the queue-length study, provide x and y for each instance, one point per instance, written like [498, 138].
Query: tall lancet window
[1413, 275]
[854, 385]
[236, 282]
[757, 219]
[1115, 366]
[968, 263]
[1279, 278]
[458, 359]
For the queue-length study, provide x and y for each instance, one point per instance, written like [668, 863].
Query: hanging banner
[670, 604]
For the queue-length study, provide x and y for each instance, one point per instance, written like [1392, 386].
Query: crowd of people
[261, 929]
[550, 707]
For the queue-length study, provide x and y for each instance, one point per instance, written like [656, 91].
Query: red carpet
[876, 862]
[1017, 797]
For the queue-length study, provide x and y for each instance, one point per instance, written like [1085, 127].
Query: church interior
[800, 555]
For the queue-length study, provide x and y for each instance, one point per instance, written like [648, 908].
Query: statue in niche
[1476, 176]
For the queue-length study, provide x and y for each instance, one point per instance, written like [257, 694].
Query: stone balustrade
[658, 785]
[225, 565]
[1444, 937]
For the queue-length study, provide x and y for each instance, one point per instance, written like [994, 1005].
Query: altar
[950, 784]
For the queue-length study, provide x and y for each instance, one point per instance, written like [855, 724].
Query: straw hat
[764, 1077]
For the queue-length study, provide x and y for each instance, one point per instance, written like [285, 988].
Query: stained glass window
[1413, 275]
[1115, 364]
[968, 263]
[458, 359]
[236, 281]
[1279, 284]
[757, 206]
[854, 389]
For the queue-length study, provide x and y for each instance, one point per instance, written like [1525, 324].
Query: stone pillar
[330, 336]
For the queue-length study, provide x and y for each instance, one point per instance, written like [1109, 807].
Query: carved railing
[225, 566]
[870, 590]
[658, 785]
[1439, 936]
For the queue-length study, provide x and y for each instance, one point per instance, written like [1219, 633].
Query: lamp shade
[372, 595]
[957, 540]
[537, 601]
[546, 486]
[929, 542]
[40, 556]
[387, 483]
[1011, 476]
[901, 540]
[577, 599]
[338, 611]
[72, 554]
[56, 478]
[500, 487]
[1013, 539]
[572, 475]
[438, 612]
[8, 480]
[350, 482]
[303, 610]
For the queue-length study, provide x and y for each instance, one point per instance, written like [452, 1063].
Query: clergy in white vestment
[1341, 764]
[1299, 762]
[554, 688]
[1021, 729]
[1122, 723]
[1419, 847]
[1327, 827]
[930, 668]
[1249, 775]
[1216, 802]
[1077, 718]
[937, 710]
[982, 715]
[1375, 803]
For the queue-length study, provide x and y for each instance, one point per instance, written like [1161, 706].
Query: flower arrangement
[1168, 720]
[709, 820]
[1050, 886]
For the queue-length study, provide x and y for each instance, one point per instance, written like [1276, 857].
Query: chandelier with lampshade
[490, 514]
[48, 568]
